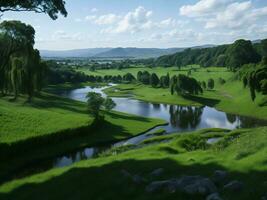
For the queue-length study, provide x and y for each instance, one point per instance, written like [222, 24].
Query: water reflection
[185, 117]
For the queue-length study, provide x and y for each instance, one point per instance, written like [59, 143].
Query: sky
[147, 23]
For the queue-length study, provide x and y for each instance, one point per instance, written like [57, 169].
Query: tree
[210, 83]
[204, 85]
[94, 104]
[20, 64]
[154, 80]
[109, 104]
[128, 77]
[50, 7]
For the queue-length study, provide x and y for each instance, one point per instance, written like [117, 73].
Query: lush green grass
[200, 73]
[242, 153]
[52, 125]
[231, 97]
[47, 114]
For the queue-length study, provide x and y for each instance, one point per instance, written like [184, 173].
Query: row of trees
[232, 56]
[21, 68]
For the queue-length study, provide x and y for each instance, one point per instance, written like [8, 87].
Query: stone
[214, 196]
[189, 184]
[137, 179]
[220, 176]
[157, 172]
[167, 185]
[203, 186]
[234, 186]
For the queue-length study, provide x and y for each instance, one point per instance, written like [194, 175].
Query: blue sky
[148, 23]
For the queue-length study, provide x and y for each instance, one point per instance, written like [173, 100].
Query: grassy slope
[241, 153]
[230, 97]
[20, 123]
[46, 115]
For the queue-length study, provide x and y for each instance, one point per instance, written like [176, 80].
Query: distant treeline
[232, 56]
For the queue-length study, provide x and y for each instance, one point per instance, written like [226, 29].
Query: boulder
[202, 186]
[214, 196]
[167, 185]
[194, 185]
[138, 179]
[157, 172]
[220, 176]
[234, 186]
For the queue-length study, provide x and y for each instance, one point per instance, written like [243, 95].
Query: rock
[188, 184]
[220, 176]
[168, 185]
[203, 186]
[157, 172]
[137, 179]
[214, 196]
[234, 186]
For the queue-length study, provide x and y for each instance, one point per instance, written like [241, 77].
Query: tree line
[233, 56]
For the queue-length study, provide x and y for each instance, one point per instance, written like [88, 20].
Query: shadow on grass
[45, 101]
[128, 117]
[203, 100]
[106, 182]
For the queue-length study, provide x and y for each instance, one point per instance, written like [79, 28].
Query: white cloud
[237, 15]
[90, 17]
[225, 14]
[202, 8]
[107, 19]
[62, 35]
[135, 21]
[93, 10]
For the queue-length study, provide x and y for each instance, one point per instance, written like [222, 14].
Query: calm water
[179, 118]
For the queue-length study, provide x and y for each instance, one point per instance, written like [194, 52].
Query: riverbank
[240, 153]
[231, 97]
[53, 125]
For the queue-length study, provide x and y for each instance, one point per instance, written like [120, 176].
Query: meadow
[240, 152]
[230, 97]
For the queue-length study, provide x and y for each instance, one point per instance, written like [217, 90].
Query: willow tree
[20, 63]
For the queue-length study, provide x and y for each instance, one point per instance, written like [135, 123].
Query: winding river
[179, 118]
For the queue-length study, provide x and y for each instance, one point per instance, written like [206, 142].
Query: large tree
[20, 68]
[50, 7]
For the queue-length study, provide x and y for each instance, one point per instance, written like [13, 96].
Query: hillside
[130, 52]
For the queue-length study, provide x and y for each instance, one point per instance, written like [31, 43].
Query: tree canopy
[50, 7]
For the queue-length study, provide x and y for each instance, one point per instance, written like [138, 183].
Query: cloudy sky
[148, 23]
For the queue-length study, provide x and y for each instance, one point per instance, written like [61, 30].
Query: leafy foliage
[50, 7]
[232, 56]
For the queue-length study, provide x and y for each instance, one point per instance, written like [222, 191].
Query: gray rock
[220, 176]
[157, 172]
[189, 184]
[214, 196]
[234, 186]
[138, 179]
[203, 186]
[167, 185]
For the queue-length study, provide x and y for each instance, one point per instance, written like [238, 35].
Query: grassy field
[231, 97]
[200, 73]
[47, 114]
[242, 153]
[52, 125]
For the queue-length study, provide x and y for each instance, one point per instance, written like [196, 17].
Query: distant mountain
[137, 52]
[130, 52]
[84, 53]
